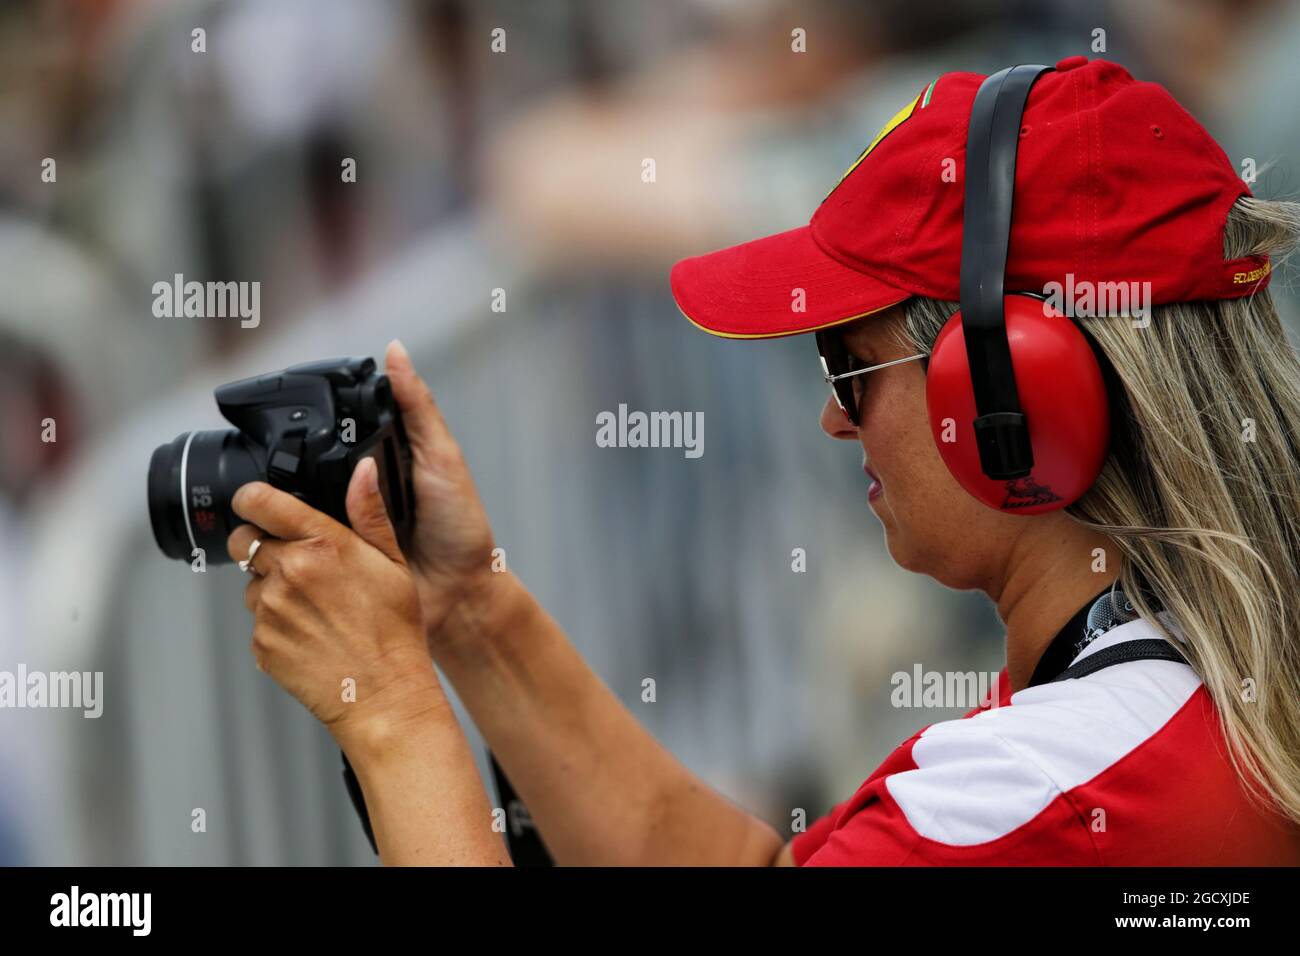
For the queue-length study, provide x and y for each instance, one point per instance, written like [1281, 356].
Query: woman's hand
[451, 551]
[336, 614]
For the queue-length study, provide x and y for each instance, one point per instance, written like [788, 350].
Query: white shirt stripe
[980, 778]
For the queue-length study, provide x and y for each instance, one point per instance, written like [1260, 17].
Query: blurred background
[518, 170]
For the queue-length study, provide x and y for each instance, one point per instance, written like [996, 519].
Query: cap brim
[751, 291]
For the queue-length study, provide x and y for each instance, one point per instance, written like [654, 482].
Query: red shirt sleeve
[811, 840]
[876, 832]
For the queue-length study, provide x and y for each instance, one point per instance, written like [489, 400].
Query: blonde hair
[1201, 492]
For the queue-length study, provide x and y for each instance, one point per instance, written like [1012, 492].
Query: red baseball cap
[1115, 182]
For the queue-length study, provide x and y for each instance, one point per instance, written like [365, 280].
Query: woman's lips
[876, 490]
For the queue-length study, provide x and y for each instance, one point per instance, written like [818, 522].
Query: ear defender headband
[1016, 398]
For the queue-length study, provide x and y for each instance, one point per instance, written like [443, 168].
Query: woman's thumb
[367, 512]
[420, 415]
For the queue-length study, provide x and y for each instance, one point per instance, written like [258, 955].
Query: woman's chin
[896, 542]
[906, 558]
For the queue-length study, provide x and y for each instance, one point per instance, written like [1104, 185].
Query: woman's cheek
[913, 490]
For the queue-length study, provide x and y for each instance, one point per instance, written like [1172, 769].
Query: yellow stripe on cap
[777, 335]
[885, 130]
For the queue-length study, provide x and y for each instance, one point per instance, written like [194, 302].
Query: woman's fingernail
[397, 346]
[371, 476]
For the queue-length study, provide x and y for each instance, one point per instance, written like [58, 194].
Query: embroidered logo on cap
[1254, 275]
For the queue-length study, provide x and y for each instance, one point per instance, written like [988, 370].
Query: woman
[1148, 713]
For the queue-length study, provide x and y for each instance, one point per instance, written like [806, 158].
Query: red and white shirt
[1126, 766]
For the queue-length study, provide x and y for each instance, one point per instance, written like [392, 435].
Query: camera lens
[191, 482]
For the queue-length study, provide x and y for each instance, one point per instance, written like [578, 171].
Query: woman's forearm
[424, 796]
[599, 787]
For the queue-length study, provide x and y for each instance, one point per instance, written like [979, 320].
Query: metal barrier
[660, 566]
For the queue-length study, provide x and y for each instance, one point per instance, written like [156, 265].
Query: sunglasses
[846, 374]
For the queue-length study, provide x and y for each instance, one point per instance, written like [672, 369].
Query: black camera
[302, 430]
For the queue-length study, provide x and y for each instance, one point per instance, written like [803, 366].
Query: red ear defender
[1063, 397]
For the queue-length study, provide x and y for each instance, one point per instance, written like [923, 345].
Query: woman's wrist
[405, 709]
[488, 608]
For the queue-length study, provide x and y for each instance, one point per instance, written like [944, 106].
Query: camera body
[303, 430]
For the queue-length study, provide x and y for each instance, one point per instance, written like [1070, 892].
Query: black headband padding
[991, 146]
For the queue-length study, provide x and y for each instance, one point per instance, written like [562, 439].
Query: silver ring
[247, 564]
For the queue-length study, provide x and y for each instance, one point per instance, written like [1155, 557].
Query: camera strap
[522, 838]
[1106, 611]
[358, 799]
[1152, 649]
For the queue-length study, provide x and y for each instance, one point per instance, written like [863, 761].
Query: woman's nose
[835, 423]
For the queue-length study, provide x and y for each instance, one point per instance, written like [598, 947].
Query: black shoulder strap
[1153, 649]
